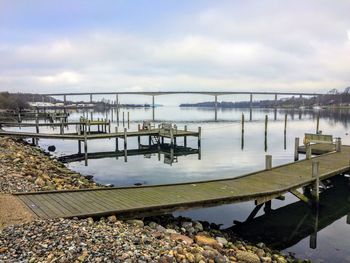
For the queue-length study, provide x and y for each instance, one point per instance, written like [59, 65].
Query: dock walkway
[148, 200]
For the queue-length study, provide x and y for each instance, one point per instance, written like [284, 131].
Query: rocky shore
[158, 239]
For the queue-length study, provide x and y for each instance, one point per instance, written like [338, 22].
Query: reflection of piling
[285, 132]
[296, 149]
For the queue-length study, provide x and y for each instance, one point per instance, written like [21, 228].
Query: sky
[151, 45]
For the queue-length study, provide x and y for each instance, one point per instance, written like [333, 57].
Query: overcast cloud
[50, 46]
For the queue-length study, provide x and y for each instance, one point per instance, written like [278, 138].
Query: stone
[223, 241]
[112, 219]
[135, 222]
[247, 257]
[39, 181]
[170, 231]
[183, 238]
[206, 241]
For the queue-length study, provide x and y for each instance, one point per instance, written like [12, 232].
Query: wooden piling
[116, 140]
[315, 187]
[308, 151]
[79, 147]
[296, 149]
[185, 137]
[338, 145]
[171, 137]
[199, 136]
[268, 162]
[125, 145]
[128, 120]
[85, 148]
[318, 123]
[242, 122]
[123, 119]
[285, 124]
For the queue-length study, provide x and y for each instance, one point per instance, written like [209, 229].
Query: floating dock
[261, 186]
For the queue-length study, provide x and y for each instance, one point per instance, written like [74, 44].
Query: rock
[112, 219]
[3, 249]
[169, 231]
[183, 238]
[198, 226]
[39, 181]
[266, 259]
[90, 221]
[135, 222]
[206, 241]
[247, 257]
[222, 240]
[221, 259]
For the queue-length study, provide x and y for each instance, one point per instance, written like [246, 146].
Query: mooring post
[268, 162]
[285, 124]
[242, 122]
[171, 137]
[85, 148]
[318, 123]
[316, 184]
[308, 151]
[338, 145]
[185, 137]
[125, 145]
[296, 149]
[199, 137]
[79, 147]
[116, 140]
[128, 120]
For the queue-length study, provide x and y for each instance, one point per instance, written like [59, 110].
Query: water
[289, 226]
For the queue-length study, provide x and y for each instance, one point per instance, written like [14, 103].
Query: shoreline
[152, 239]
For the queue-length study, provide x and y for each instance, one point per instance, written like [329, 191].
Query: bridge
[215, 94]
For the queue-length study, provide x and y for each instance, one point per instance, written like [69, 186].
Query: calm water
[289, 226]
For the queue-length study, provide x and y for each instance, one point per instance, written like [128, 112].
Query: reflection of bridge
[286, 226]
[215, 94]
[170, 153]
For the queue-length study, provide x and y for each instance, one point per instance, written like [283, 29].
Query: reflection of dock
[286, 226]
[170, 153]
[261, 186]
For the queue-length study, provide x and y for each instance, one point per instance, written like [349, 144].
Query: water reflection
[169, 153]
[286, 226]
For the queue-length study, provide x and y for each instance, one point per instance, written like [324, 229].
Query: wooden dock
[261, 186]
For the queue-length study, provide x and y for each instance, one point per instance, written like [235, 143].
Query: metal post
[268, 162]
[296, 149]
[125, 145]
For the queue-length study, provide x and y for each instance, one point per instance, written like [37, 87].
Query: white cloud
[254, 48]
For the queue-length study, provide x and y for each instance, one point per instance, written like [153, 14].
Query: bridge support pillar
[153, 106]
[216, 107]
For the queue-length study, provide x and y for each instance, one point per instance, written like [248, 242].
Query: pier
[261, 186]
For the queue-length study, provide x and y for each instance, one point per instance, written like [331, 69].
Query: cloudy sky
[50, 46]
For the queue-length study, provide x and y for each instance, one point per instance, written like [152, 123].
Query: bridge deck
[151, 199]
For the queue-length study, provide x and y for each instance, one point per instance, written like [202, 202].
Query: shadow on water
[286, 226]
